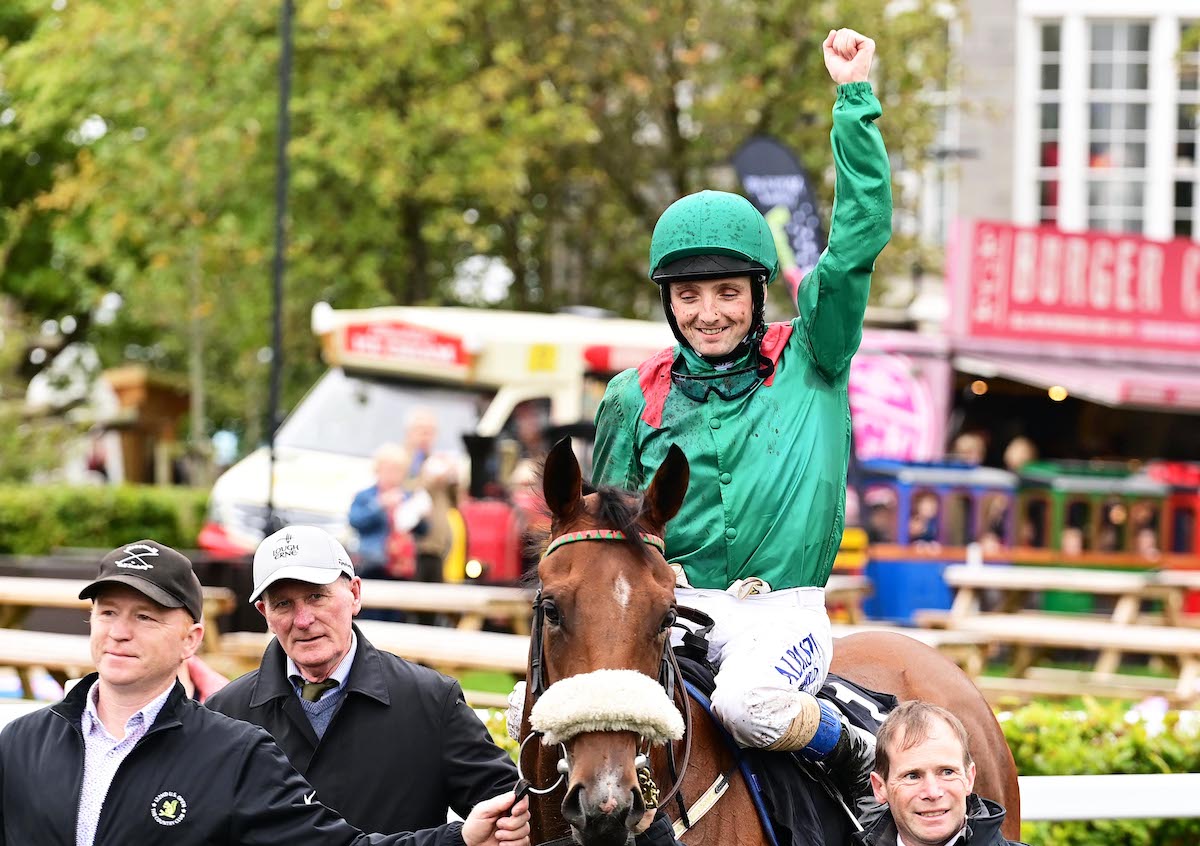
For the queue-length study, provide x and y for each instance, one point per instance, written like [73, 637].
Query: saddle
[793, 796]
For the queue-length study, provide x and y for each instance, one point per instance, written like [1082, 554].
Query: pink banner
[892, 408]
[1038, 284]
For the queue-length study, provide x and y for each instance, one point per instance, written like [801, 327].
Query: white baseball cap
[303, 553]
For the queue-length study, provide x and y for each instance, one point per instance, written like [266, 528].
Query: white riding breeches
[767, 648]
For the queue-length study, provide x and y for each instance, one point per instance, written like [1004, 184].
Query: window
[1187, 137]
[1118, 99]
[1049, 107]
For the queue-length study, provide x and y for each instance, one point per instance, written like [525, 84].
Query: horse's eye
[668, 620]
[550, 610]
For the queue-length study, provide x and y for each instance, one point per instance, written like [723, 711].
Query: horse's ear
[562, 481]
[665, 494]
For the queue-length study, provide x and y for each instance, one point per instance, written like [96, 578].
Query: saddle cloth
[795, 793]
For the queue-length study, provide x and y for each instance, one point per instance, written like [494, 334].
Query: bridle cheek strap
[606, 700]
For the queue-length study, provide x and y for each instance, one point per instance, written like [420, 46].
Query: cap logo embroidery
[168, 808]
[137, 553]
[286, 548]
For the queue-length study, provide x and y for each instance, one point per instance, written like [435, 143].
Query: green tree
[137, 153]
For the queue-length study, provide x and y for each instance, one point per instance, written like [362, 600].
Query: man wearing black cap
[127, 758]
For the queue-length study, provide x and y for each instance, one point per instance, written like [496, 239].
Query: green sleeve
[832, 300]
[614, 459]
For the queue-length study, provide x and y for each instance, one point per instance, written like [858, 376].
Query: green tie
[312, 691]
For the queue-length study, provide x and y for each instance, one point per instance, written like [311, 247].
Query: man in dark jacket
[128, 758]
[924, 774]
[387, 743]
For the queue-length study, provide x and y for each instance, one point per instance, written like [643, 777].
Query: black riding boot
[849, 765]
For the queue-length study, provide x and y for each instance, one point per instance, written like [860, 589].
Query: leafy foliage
[35, 520]
[1099, 739]
[139, 152]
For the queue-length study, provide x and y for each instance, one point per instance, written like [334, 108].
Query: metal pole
[271, 522]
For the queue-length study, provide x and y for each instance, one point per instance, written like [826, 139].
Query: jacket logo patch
[138, 553]
[168, 808]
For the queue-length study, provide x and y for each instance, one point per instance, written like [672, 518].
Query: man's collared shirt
[340, 673]
[102, 756]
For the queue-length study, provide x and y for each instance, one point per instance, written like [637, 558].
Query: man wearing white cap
[389, 744]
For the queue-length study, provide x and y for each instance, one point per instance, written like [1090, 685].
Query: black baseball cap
[152, 568]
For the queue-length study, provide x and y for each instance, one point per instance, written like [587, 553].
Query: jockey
[762, 413]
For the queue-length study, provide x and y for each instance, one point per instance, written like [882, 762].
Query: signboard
[1092, 289]
[780, 189]
[892, 409]
[398, 342]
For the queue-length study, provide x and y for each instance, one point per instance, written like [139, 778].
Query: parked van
[472, 367]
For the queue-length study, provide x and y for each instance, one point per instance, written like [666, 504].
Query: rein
[670, 677]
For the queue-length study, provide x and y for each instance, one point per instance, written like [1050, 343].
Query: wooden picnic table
[1127, 629]
[847, 592]
[21, 594]
[470, 603]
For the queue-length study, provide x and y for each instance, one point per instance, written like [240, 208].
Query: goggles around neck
[729, 384]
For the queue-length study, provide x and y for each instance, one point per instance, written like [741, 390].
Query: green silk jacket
[768, 470]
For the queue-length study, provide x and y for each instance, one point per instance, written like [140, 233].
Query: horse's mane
[613, 508]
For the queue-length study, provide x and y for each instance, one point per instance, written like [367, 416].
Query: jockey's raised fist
[848, 55]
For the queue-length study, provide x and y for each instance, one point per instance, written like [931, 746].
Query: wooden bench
[442, 648]
[1016, 584]
[446, 650]
[470, 603]
[1031, 634]
[847, 592]
[63, 656]
[966, 649]
[21, 594]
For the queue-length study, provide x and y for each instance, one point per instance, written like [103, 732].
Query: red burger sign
[1017, 283]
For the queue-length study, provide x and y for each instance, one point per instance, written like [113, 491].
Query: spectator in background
[1072, 541]
[969, 448]
[923, 525]
[373, 510]
[199, 680]
[1019, 452]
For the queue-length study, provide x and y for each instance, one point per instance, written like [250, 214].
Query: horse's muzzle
[602, 816]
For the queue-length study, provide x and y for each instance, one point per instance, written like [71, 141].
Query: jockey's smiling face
[714, 314]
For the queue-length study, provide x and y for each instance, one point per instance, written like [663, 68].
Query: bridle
[669, 678]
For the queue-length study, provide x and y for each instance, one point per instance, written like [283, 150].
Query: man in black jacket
[924, 773]
[127, 758]
[387, 743]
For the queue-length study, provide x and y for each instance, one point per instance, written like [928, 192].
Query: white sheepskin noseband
[606, 700]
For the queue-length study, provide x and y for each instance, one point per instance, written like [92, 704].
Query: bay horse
[599, 657]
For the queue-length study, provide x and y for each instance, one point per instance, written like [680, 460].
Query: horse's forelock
[611, 508]
[618, 509]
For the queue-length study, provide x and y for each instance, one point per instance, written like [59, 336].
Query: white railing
[1110, 797]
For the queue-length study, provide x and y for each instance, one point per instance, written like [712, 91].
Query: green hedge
[36, 519]
[1047, 739]
[1100, 739]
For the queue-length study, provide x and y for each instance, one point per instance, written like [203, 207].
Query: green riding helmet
[709, 235]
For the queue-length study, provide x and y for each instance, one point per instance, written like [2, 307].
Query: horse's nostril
[572, 806]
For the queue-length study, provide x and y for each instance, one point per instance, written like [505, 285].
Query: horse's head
[606, 608]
